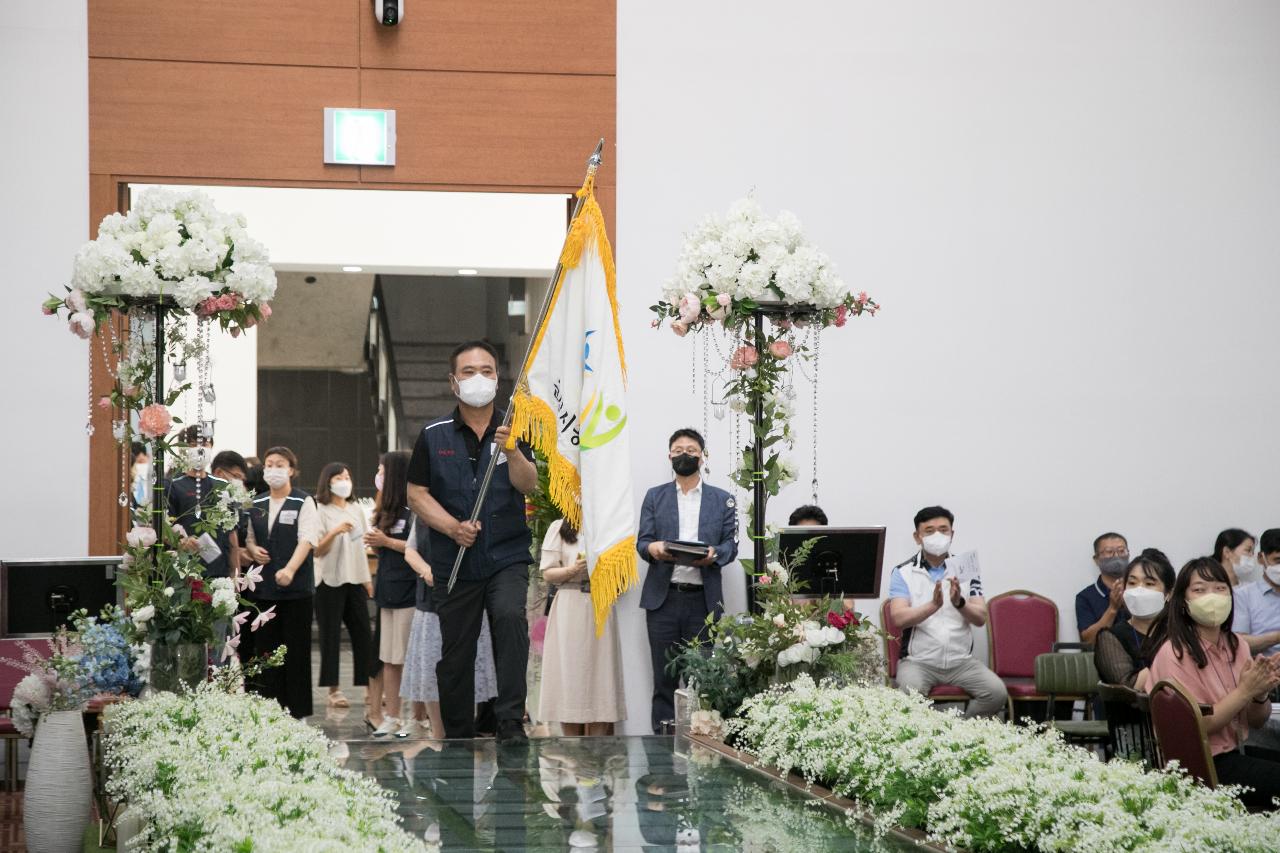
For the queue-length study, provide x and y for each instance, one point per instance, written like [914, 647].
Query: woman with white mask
[1203, 654]
[1234, 550]
[343, 582]
[1123, 651]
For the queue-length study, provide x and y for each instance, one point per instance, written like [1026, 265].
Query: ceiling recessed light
[353, 269]
[468, 272]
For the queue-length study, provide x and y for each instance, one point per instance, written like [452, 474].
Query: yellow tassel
[536, 423]
[615, 571]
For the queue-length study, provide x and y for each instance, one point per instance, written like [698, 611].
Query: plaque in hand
[687, 553]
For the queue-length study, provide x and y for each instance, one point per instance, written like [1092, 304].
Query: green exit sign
[355, 137]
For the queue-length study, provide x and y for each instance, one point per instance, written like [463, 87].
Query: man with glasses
[1101, 604]
[678, 598]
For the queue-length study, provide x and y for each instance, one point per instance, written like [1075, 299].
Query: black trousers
[336, 606]
[502, 596]
[290, 685]
[681, 618]
[1260, 774]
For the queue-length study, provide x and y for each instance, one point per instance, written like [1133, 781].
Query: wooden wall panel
[564, 37]
[514, 129]
[270, 32]
[193, 119]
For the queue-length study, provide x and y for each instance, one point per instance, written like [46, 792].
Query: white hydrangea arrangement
[172, 244]
[212, 771]
[984, 785]
[728, 266]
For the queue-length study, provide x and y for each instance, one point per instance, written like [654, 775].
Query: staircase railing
[380, 357]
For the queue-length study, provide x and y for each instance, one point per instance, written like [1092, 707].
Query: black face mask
[684, 464]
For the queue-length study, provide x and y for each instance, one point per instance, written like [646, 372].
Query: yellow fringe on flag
[614, 573]
[536, 423]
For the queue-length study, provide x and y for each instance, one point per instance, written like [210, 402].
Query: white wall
[1071, 214]
[44, 149]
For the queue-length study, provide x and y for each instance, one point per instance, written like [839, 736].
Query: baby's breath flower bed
[212, 771]
[984, 785]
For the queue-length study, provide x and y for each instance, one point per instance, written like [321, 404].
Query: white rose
[833, 635]
[82, 323]
[780, 621]
[75, 301]
[168, 592]
[143, 614]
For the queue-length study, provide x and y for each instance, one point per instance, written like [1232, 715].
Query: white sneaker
[389, 726]
[409, 728]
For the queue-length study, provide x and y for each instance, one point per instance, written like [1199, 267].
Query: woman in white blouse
[343, 582]
[581, 673]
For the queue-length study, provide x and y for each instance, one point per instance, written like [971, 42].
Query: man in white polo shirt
[937, 612]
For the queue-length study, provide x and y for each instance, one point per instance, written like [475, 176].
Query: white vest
[945, 638]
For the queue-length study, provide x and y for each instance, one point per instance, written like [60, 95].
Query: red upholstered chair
[9, 678]
[893, 650]
[1021, 625]
[1179, 729]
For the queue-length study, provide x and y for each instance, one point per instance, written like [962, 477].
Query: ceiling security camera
[388, 12]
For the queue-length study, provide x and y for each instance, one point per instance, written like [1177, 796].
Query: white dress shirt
[690, 506]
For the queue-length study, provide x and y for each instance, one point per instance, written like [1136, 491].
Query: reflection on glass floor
[614, 793]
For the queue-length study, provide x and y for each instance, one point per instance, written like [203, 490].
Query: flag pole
[593, 165]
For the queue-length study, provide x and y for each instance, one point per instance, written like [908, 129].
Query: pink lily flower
[249, 580]
[229, 648]
[263, 618]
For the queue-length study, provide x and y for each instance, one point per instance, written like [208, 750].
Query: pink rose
[655, 324]
[724, 300]
[228, 302]
[744, 357]
[82, 324]
[265, 310]
[76, 302]
[140, 537]
[104, 402]
[249, 322]
[842, 315]
[207, 307]
[155, 421]
[780, 349]
[46, 311]
[764, 580]
[679, 328]
[862, 297]
[690, 308]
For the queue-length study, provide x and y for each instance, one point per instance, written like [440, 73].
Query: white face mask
[477, 391]
[1143, 602]
[1248, 570]
[276, 478]
[1273, 573]
[341, 488]
[936, 544]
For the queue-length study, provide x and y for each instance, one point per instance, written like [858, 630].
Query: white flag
[572, 407]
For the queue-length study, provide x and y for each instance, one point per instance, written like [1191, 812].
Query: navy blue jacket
[660, 522]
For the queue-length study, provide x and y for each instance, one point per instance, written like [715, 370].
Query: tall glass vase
[178, 666]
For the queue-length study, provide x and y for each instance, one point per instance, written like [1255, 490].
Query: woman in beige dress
[581, 673]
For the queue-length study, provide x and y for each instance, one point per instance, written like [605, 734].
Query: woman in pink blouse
[1213, 665]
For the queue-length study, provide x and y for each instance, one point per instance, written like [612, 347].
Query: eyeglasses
[1113, 552]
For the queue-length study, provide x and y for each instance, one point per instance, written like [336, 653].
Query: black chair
[1129, 724]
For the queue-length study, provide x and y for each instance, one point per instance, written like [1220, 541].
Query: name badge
[493, 448]
[398, 527]
[288, 516]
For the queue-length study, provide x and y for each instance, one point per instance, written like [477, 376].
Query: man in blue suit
[678, 598]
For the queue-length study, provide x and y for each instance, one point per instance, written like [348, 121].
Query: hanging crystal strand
[125, 484]
[706, 396]
[817, 352]
[88, 423]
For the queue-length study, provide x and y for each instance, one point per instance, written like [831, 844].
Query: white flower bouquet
[730, 266]
[212, 771]
[984, 785]
[170, 245]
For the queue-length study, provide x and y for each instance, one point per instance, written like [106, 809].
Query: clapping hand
[1260, 676]
[1115, 600]
[937, 595]
[954, 589]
